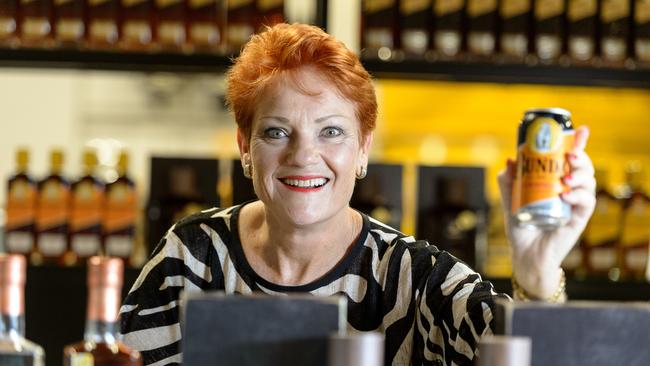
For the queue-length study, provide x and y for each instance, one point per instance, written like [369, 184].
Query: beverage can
[545, 136]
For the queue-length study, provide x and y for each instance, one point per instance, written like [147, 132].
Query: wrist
[549, 289]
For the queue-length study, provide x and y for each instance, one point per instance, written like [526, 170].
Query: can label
[541, 164]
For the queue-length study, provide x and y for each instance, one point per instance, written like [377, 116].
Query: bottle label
[53, 208]
[408, 7]
[602, 259]
[35, 27]
[82, 359]
[613, 10]
[604, 225]
[69, 29]
[204, 33]
[21, 204]
[87, 202]
[136, 31]
[121, 207]
[171, 32]
[119, 245]
[512, 8]
[581, 9]
[85, 245]
[637, 259]
[103, 31]
[444, 7]
[374, 6]
[19, 242]
[51, 244]
[545, 9]
[477, 8]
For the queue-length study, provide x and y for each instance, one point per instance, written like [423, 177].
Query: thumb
[505, 179]
[581, 137]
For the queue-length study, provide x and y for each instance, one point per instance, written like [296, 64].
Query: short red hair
[286, 48]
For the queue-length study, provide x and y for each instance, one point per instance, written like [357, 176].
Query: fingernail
[568, 178]
[573, 156]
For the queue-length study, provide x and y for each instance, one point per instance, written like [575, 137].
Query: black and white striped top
[431, 307]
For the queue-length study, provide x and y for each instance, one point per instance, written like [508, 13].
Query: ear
[366, 143]
[242, 142]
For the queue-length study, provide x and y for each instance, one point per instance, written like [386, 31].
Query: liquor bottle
[8, 23]
[100, 346]
[241, 24]
[482, 16]
[36, 23]
[549, 29]
[69, 21]
[614, 31]
[14, 348]
[415, 20]
[103, 24]
[22, 195]
[120, 214]
[582, 23]
[269, 13]
[635, 228]
[448, 31]
[170, 24]
[136, 32]
[206, 20]
[379, 25]
[642, 31]
[515, 28]
[52, 215]
[86, 210]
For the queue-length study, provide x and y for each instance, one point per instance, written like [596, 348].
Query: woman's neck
[291, 255]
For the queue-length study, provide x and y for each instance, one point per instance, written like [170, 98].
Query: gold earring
[362, 174]
[247, 167]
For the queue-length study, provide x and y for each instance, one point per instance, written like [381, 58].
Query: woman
[305, 110]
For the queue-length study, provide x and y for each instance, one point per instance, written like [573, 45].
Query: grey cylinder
[504, 351]
[356, 349]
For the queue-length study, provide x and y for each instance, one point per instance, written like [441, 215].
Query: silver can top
[554, 110]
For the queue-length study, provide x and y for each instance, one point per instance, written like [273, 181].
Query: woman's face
[305, 150]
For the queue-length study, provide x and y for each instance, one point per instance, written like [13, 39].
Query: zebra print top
[432, 308]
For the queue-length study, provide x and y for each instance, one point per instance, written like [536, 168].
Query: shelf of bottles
[141, 35]
[577, 42]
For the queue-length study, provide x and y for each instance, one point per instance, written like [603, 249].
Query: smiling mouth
[303, 184]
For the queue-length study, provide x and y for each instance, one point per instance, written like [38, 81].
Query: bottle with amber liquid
[206, 20]
[14, 348]
[36, 23]
[448, 30]
[70, 23]
[120, 213]
[549, 29]
[598, 242]
[86, 210]
[635, 227]
[379, 28]
[100, 346]
[582, 22]
[8, 23]
[241, 16]
[103, 24]
[170, 24]
[482, 16]
[515, 29]
[22, 196]
[52, 215]
[642, 32]
[136, 24]
[415, 21]
[615, 21]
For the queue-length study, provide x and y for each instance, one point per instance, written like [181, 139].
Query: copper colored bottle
[103, 24]
[206, 20]
[100, 346]
[170, 29]
[136, 24]
[14, 348]
[22, 196]
[8, 22]
[36, 23]
[241, 24]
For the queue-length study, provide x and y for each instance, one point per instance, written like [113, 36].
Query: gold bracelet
[520, 294]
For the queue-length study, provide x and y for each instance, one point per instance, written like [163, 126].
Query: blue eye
[331, 132]
[275, 133]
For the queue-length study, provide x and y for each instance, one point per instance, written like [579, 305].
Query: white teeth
[305, 183]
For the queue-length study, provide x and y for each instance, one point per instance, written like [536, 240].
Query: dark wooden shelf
[509, 73]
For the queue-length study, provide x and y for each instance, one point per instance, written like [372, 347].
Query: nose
[302, 151]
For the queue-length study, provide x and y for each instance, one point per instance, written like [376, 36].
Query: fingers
[580, 138]
[581, 179]
[580, 161]
[583, 202]
[505, 179]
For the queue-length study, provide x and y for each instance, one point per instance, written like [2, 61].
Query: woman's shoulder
[203, 224]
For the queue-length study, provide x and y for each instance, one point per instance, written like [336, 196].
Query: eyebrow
[318, 120]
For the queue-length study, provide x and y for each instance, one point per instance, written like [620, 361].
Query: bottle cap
[89, 159]
[123, 162]
[22, 157]
[56, 158]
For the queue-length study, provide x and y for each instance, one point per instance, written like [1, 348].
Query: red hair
[284, 49]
